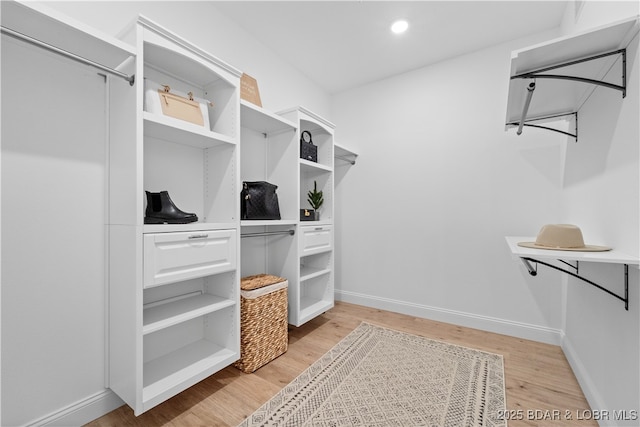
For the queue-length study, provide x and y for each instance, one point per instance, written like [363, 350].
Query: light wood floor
[539, 381]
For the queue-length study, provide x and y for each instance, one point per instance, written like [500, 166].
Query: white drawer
[315, 239]
[172, 257]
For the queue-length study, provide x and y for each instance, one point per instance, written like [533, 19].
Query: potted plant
[315, 199]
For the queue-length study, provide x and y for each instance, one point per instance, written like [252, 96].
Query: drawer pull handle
[318, 228]
[199, 236]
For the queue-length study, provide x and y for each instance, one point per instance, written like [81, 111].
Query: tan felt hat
[562, 237]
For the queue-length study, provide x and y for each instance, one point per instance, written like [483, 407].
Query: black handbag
[308, 151]
[258, 200]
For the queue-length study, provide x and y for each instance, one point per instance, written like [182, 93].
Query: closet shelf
[53, 28]
[170, 129]
[554, 79]
[529, 255]
[313, 167]
[181, 369]
[307, 273]
[612, 257]
[314, 122]
[263, 121]
[311, 307]
[343, 153]
[165, 50]
[169, 314]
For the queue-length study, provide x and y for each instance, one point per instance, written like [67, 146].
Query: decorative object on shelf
[308, 150]
[162, 210]
[179, 107]
[249, 90]
[263, 320]
[258, 200]
[562, 237]
[307, 215]
[315, 199]
[160, 99]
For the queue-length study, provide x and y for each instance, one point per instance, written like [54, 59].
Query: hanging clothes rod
[530, 89]
[73, 56]
[268, 233]
[346, 159]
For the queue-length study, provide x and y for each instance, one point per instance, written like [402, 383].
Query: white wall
[602, 194]
[281, 86]
[438, 185]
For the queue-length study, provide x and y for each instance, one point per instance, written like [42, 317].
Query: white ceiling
[343, 44]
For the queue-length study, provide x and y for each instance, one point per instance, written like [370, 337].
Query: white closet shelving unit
[173, 296]
[174, 288]
[271, 152]
[313, 291]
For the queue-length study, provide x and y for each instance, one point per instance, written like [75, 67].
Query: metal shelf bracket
[529, 124]
[534, 271]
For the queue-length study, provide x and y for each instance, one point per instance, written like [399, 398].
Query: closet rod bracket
[534, 271]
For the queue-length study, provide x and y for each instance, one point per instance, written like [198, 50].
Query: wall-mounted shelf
[529, 255]
[343, 153]
[554, 79]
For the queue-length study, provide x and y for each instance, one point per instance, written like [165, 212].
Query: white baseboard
[470, 320]
[584, 379]
[81, 412]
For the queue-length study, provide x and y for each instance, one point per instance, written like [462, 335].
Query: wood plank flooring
[541, 389]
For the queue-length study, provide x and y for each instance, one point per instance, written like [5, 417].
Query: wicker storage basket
[263, 321]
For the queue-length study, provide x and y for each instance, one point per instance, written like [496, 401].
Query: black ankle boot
[161, 210]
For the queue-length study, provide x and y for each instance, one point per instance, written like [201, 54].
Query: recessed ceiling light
[400, 26]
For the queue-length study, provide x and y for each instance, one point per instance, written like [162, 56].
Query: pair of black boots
[162, 210]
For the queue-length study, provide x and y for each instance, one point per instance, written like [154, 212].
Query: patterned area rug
[381, 377]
